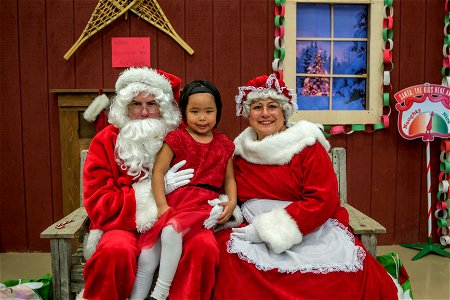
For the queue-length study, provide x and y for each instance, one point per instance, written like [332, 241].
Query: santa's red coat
[110, 201]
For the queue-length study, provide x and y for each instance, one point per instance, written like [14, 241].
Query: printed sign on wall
[130, 52]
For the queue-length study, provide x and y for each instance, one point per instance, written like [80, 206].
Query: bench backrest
[339, 160]
[83, 155]
[337, 155]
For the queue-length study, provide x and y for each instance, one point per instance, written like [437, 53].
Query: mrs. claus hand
[247, 233]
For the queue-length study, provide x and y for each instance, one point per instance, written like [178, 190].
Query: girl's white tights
[167, 252]
[147, 264]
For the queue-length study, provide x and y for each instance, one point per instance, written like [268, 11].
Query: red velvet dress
[189, 206]
[306, 178]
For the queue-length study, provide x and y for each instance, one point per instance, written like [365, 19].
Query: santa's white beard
[137, 144]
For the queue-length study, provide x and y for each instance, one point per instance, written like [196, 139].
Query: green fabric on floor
[45, 292]
[393, 265]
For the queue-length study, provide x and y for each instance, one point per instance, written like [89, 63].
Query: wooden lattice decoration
[107, 11]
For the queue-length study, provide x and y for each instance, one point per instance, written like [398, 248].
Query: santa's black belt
[208, 187]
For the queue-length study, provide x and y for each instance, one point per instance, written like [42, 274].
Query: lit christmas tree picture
[316, 86]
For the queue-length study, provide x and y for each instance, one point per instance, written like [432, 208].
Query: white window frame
[374, 93]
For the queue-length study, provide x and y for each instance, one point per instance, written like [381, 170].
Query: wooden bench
[67, 266]
[363, 226]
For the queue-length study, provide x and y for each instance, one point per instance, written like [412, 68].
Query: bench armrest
[362, 224]
[68, 226]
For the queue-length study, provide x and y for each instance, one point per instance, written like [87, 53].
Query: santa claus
[117, 193]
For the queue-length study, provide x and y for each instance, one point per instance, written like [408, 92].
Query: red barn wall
[233, 42]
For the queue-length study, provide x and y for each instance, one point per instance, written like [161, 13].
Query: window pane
[313, 57]
[349, 94]
[350, 58]
[313, 93]
[350, 21]
[313, 20]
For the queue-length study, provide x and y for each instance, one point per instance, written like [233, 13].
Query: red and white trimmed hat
[263, 87]
[169, 84]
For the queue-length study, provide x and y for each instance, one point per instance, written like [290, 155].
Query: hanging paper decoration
[279, 52]
[445, 72]
[442, 209]
[388, 65]
[107, 11]
[442, 205]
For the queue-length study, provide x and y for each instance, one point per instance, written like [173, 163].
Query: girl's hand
[214, 215]
[228, 208]
[162, 210]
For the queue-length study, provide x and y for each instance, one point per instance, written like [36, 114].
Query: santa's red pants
[110, 272]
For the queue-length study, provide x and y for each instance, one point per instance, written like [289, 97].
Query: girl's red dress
[189, 206]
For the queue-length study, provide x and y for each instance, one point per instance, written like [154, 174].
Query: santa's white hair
[139, 141]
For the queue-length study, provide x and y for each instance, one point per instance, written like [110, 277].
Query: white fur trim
[236, 217]
[90, 242]
[279, 148]
[146, 210]
[146, 76]
[278, 230]
[235, 220]
[80, 295]
[100, 103]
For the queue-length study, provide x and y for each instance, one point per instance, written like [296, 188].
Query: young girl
[182, 212]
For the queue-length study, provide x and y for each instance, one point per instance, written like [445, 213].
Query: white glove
[214, 215]
[174, 178]
[247, 233]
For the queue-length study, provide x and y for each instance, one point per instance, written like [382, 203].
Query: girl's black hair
[200, 86]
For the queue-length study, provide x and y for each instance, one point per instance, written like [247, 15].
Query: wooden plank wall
[233, 42]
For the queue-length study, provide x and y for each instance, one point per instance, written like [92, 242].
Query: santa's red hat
[166, 82]
[154, 79]
[263, 87]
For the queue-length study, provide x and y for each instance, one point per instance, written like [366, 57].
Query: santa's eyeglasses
[150, 106]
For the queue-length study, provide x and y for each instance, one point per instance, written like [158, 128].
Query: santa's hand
[247, 233]
[174, 178]
[214, 215]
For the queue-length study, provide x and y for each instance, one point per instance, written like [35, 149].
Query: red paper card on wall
[130, 52]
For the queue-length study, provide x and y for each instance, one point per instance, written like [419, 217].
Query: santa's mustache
[146, 128]
[137, 144]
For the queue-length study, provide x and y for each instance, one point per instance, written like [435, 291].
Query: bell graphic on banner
[424, 112]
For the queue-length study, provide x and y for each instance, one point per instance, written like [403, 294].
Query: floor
[430, 275]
